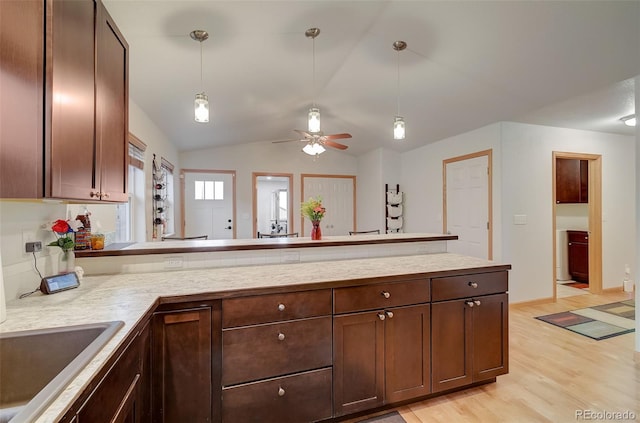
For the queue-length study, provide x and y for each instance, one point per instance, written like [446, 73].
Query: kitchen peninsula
[331, 337]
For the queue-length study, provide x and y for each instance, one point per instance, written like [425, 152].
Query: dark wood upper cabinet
[572, 181]
[65, 105]
[21, 98]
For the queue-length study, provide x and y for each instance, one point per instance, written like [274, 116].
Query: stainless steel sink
[36, 365]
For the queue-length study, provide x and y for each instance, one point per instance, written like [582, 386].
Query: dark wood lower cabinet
[299, 398]
[469, 340]
[119, 397]
[381, 357]
[310, 365]
[186, 364]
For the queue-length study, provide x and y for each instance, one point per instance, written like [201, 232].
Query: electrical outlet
[33, 247]
[173, 263]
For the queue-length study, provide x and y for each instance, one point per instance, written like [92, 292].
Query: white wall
[157, 143]
[375, 169]
[267, 157]
[527, 189]
[422, 179]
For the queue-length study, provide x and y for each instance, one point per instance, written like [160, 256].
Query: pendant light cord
[398, 87]
[201, 86]
[313, 43]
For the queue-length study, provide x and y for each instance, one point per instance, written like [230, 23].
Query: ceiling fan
[317, 141]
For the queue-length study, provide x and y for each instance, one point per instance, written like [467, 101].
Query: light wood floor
[552, 374]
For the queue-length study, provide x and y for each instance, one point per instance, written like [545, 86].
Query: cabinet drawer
[257, 352]
[275, 307]
[383, 295]
[300, 398]
[578, 236]
[453, 287]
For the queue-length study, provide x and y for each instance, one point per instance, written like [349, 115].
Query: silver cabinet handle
[381, 316]
[390, 314]
[281, 336]
[476, 302]
[281, 307]
[470, 304]
[385, 294]
[280, 392]
[473, 284]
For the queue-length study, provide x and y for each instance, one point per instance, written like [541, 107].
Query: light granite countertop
[128, 297]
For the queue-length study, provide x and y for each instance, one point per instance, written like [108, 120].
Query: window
[130, 222]
[209, 190]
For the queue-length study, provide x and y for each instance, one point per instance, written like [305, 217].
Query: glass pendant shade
[202, 108]
[629, 120]
[313, 149]
[314, 119]
[398, 128]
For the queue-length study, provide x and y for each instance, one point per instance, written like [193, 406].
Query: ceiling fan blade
[279, 141]
[335, 144]
[337, 136]
[303, 133]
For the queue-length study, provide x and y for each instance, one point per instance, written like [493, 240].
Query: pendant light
[629, 120]
[314, 112]
[202, 100]
[398, 121]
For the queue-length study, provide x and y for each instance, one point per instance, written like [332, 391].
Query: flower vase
[316, 233]
[67, 261]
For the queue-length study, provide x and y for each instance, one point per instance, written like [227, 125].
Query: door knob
[228, 227]
[390, 314]
[470, 304]
[473, 284]
[385, 294]
[476, 302]
[381, 316]
[281, 336]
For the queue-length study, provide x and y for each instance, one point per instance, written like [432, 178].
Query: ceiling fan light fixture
[629, 120]
[313, 149]
[314, 119]
[398, 128]
[201, 103]
[202, 108]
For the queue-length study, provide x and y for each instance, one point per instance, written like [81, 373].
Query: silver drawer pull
[280, 392]
[473, 284]
[281, 336]
[385, 294]
[381, 316]
[281, 307]
[476, 302]
[390, 314]
[470, 304]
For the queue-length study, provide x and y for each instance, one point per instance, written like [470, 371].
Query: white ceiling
[467, 64]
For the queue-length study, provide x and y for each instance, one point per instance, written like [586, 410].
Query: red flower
[61, 227]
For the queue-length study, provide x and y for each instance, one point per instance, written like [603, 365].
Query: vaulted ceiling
[467, 64]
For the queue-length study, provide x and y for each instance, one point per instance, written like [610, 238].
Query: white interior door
[208, 205]
[467, 206]
[338, 195]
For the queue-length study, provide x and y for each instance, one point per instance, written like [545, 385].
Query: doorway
[338, 194]
[272, 203]
[467, 204]
[577, 224]
[208, 203]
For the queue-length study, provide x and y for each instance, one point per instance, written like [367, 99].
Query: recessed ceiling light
[629, 120]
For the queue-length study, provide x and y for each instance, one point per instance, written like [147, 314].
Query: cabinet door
[572, 181]
[451, 364]
[21, 98]
[407, 353]
[145, 373]
[182, 353]
[111, 109]
[490, 337]
[70, 100]
[358, 362]
[578, 261]
[116, 397]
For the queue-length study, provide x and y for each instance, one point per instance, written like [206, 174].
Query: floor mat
[393, 417]
[580, 285]
[598, 322]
